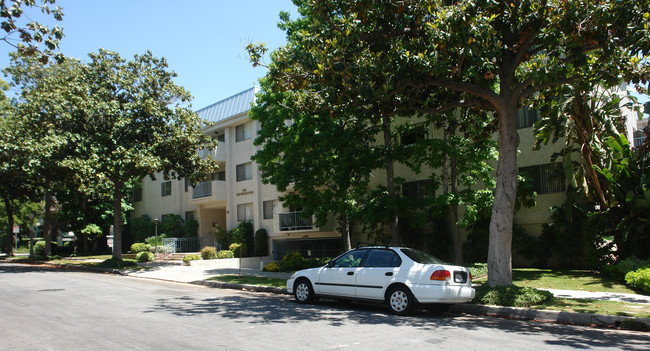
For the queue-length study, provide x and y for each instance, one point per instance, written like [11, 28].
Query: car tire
[400, 300]
[303, 291]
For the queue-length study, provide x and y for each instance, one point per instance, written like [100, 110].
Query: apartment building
[235, 193]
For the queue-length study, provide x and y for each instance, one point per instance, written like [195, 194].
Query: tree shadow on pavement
[264, 309]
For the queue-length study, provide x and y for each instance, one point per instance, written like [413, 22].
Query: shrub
[237, 248]
[315, 262]
[142, 227]
[639, 279]
[271, 267]
[173, 226]
[223, 237]
[293, 255]
[209, 253]
[511, 296]
[116, 263]
[261, 242]
[39, 248]
[620, 270]
[478, 270]
[152, 240]
[225, 254]
[188, 258]
[144, 256]
[140, 247]
[191, 229]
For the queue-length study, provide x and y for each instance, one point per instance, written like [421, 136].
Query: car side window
[350, 259]
[383, 258]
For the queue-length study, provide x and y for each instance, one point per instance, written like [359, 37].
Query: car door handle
[389, 274]
[350, 273]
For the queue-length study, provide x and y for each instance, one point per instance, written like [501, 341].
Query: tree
[134, 126]
[113, 122]
[16, 187]
[30, 33]
[434, 56]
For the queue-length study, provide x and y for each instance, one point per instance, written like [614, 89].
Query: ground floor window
[322, 247]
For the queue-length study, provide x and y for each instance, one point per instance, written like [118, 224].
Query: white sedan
[399, 276]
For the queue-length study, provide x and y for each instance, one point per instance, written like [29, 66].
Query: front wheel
[400, 300]
[303, 291]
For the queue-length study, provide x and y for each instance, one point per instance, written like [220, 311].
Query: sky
[203, 40]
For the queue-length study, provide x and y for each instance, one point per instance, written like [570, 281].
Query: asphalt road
[59, 310]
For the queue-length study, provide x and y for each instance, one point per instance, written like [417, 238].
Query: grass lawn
[251, 280]
[597, 307]
[564, 280]
[81, 261]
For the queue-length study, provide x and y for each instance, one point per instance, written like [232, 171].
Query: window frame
[239, 176]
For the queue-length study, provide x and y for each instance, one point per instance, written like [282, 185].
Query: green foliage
[271, 267]
[39, 248]
[173, 226]
[261, 242]
[639, 279]
[144, 256]
[209, 253]
[244, 234]
[152, 240]
[34, 38]
[225, 254]
[223, 237]
[620, 270]
[116, 263]
[293, 256]
[193, 257]
[142, 228]
[191, 229]
[239, 250]
[140, 247]
[511, 296]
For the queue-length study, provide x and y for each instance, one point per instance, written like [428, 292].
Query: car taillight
[440, 275]
[470, 276]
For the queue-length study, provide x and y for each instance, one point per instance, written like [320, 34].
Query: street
[62, 310]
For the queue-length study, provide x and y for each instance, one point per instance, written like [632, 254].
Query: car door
[380, 269]
[339, 278]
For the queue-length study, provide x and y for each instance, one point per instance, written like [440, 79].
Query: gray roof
[229, 107]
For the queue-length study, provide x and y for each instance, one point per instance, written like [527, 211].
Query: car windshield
[421, 257]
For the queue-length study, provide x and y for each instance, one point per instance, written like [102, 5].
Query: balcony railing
[639, 140]
[294, 221]
[203, 189]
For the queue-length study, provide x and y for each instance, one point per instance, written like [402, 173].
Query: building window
[221, 138]
[219, 175]
[137, 193]
[417, 132]
[268, 209]
[190, 215]
[245, 212]
[243, 132]
[526, 117]
[545, 179]
[166, 188]
[244, 171]
[419, 189]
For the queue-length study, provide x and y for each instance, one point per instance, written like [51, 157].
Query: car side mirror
[330, 264]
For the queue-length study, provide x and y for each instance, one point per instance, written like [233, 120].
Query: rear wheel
[303, 291]
[400, 300]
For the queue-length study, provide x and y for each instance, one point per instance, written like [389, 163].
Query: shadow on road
[267, 309]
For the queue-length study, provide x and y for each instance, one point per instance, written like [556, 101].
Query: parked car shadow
[273, 309]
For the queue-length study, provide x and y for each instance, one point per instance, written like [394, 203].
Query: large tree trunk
[503, 209]
[47, 221]
[8, 243]
[390, 179]
[117, 220]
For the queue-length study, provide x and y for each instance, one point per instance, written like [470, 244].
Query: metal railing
[294, 221]
[639, 140]
[203, 189]
[175, 245]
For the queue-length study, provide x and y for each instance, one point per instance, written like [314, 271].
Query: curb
[244, 287]
[586, 319]
[528, 314]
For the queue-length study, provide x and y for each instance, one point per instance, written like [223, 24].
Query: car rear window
[421, 257]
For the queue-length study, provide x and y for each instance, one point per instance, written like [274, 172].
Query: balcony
[210, 190]
[294, 221]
